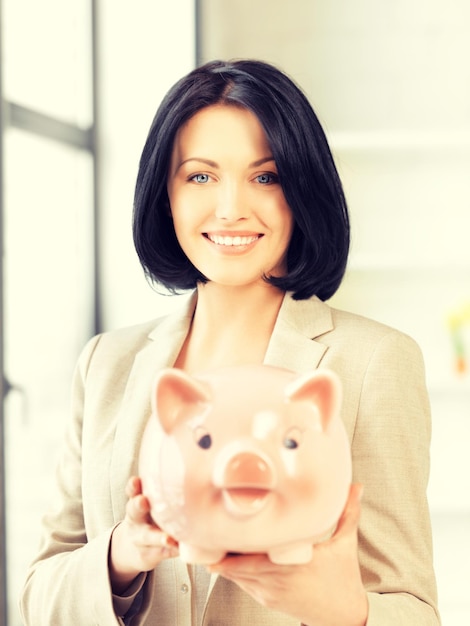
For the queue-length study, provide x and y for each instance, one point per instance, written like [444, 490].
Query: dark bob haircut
[318, 250]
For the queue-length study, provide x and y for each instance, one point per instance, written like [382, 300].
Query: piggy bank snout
[246, 481]
[247, 469]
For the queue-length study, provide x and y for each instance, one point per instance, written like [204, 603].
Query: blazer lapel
[166, 341]
[293, 343]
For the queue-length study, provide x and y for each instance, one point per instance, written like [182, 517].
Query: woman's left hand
[327, 591]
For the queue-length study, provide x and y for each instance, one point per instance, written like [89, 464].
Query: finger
[138, 510]
[349, 520]
[168, 542]
[157, 545]
[154, 549]
[133, 487]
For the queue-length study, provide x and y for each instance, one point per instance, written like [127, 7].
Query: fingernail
[168, 541]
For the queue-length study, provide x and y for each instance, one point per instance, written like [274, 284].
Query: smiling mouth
[238, 240]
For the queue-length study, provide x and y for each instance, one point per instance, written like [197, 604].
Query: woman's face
[229, 211]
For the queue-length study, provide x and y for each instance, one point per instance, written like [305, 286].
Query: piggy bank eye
[292, 439]
[203, 439]
[205, 442]
[290, 443]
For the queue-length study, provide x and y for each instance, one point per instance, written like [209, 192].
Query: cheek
[285, 221]
[178, 225]
[289, 220]
[188, 211]
[184, 223]
[178, 210]
[285, 229]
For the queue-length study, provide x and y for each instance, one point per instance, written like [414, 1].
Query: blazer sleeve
[68, 582]
[390, 450]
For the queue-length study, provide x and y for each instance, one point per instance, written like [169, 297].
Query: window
[49, 244]
[52, 171]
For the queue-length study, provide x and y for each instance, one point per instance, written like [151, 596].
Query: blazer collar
[293, 344]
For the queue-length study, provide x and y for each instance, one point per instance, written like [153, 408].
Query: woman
[238, 199]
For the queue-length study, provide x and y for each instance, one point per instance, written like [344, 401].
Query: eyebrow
[215, 165]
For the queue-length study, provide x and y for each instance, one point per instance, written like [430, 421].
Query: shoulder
[376, 361]
[382, 373]
[119, 345]
[358, 344]
[364, 327]
[116, 361]
[339, 328]
[130, 338]
[367, 334]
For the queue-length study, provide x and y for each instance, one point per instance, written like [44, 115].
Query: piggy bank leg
[203, 556]
[293, 554]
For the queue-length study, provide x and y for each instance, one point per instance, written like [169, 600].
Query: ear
[322, 389]
[178, 396]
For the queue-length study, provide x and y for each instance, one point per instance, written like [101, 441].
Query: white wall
[144, 47]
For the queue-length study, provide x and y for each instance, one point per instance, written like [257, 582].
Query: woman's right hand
[137, 544]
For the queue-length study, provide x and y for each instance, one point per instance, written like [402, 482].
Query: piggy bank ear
[178, 396]
[321, 388]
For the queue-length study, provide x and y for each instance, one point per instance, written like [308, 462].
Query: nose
[231, 202]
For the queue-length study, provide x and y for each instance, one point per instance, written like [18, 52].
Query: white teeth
[232, 241]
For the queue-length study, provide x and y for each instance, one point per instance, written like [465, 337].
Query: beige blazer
[387, 417]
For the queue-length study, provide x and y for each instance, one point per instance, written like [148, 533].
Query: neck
[231, 326]
[221, 307]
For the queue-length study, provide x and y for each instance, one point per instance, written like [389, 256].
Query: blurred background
[80, 82]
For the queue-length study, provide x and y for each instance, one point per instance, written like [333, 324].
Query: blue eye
[200, 178]
[267, 179]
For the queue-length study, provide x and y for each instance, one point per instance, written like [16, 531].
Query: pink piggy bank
[246, 459]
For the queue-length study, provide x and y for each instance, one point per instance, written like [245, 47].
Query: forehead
[221, 128]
